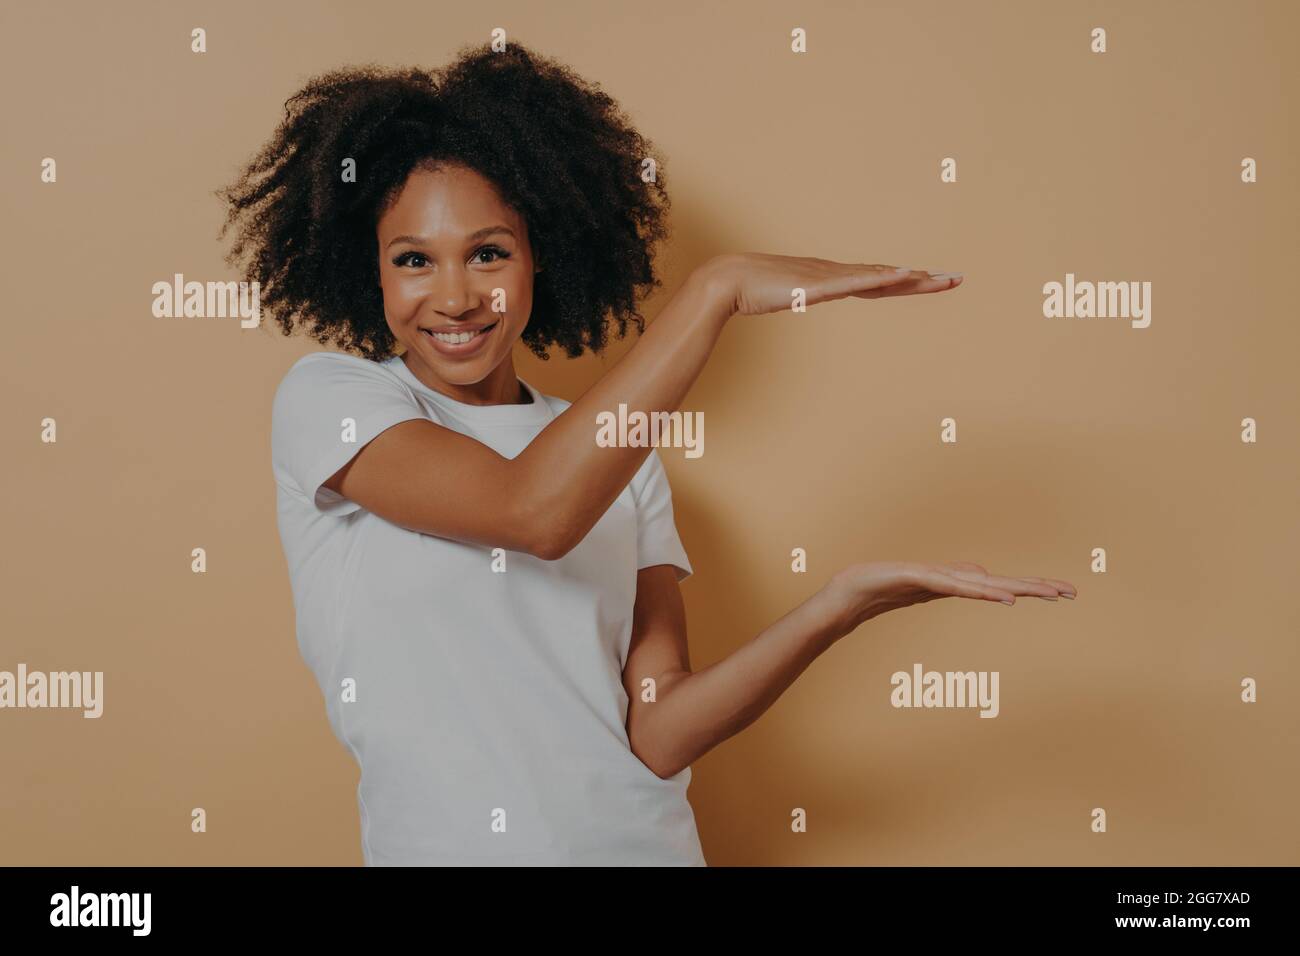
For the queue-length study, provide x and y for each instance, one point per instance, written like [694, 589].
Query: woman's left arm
[691, 713]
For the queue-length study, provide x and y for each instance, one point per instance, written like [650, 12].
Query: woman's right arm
[422, 476]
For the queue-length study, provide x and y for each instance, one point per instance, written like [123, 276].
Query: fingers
[1067, 589]
[998, 587]
[918, 282]
[865, 278]
[943, 582]
[1014, 585]
[825, 280]
[1047, 588]
[838, 281]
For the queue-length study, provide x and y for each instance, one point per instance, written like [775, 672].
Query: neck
[500, 387]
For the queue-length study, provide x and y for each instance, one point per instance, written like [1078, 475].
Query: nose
[452, 294]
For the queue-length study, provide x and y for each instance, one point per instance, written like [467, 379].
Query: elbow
[653, 760]
[548, 550]
[551, 544]
[539, 528]
[660, 769]
[664, 774]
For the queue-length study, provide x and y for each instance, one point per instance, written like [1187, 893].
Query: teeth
[457, 338]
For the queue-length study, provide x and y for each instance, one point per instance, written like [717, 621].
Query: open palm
[866, 590]
[759, 283]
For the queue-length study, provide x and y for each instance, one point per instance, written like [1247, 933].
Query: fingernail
[1008, 603]
[903, 268]
[945, 275]
[1067, 595]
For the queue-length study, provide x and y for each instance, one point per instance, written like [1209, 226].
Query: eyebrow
[472, 237]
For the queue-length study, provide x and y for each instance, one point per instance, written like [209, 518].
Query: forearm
[694, 713]
[572, 481]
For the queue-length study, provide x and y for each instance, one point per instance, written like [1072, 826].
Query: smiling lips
[455, 338]
[458, 342]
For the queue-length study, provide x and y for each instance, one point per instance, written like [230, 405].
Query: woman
[486, 595]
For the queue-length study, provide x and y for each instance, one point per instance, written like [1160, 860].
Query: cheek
[400, 299]
[521, 304]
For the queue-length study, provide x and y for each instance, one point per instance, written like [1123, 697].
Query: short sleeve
[657, 541]
[311, 432]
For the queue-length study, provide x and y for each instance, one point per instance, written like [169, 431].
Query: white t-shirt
[489, 719]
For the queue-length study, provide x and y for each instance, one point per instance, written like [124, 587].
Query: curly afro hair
[559, 150]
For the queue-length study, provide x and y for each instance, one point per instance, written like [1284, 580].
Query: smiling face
[446, 245]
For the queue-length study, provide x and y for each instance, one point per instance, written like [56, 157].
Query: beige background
[821, 430]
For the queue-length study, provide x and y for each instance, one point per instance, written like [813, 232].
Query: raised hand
[863, 591]
[757, 283]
